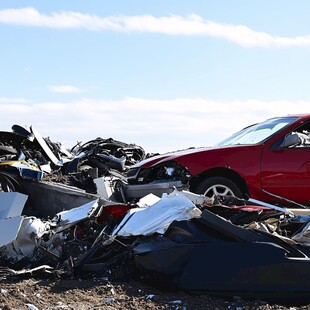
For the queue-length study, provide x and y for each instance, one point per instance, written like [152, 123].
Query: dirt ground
[99, 293]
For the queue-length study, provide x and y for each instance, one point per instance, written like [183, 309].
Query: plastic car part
[23, 169]
[157, 188]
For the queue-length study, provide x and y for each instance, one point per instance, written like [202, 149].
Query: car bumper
[156, 188]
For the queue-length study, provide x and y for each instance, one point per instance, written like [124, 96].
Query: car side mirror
[290, 140]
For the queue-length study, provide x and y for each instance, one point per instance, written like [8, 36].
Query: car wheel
[215, 186]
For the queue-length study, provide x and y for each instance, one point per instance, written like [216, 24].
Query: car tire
[214, 186]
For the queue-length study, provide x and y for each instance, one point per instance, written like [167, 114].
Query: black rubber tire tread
[208, 182]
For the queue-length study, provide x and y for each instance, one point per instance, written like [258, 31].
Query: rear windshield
[258, 132]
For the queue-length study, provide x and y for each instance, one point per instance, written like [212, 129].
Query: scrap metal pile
[66, 212]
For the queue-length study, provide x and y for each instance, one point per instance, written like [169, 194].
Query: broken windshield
[257, 132]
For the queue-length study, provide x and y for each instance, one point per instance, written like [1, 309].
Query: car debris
[105, 154]
[212, 255]
[11, 204]
[157, 217]
[90, 239]
[72, 212]
[25, 153]
[9, 229]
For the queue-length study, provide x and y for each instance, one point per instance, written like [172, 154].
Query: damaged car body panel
[261, 161]
[211, 255]
[48, 198]
[9, 229]
[157, 217]
[11, 204]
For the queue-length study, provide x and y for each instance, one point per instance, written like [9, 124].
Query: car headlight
[169, 171]
[164, 171]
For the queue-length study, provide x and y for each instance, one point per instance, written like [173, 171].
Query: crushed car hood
[148, 162]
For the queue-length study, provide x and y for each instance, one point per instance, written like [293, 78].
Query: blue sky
[165, 75]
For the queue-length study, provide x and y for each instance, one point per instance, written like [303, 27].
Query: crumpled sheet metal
[148, 200]
[303, 236]
[9, 229]
[11, 207]
[11, 204]
[46, 148]
[157, 217]
[68, 218]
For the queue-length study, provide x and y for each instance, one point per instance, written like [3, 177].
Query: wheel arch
[221, 172]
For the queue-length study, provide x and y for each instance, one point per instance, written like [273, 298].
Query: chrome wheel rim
[218, 189]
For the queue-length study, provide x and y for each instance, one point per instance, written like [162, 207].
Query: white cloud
[13, 100]
[65, 89]
[190, 25]
[157, 125]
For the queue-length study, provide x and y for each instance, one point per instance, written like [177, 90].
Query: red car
[264, 161]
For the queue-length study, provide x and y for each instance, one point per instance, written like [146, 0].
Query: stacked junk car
[230, 220]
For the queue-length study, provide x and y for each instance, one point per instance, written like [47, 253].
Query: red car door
[286, 172]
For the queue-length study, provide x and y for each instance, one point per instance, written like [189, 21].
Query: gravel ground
[98, 294]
